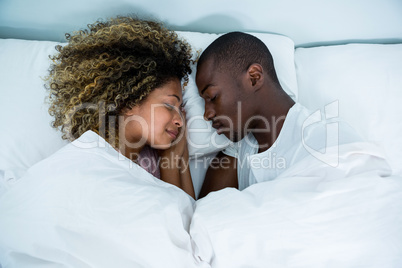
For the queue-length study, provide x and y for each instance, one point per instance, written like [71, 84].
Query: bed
[346, 213]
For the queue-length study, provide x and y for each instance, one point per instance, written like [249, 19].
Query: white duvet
[89, 206]
[114, 214]
[314, 215]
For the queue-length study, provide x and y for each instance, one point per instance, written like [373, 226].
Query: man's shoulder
[247, 144]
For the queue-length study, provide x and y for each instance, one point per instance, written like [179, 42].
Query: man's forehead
[203, 73]
[207, 69]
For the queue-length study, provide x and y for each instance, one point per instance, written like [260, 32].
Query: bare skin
[159, 123]
[174, 166]
[261, 102]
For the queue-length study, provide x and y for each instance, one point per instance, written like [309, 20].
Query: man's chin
[232, 136]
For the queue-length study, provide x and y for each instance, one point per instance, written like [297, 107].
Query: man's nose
[209, 113]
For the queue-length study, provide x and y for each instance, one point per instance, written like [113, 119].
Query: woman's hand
[174, 162]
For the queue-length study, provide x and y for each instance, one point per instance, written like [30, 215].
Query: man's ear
[255, 75]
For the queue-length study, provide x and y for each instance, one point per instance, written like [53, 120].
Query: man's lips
[173, 133]
[218, 126]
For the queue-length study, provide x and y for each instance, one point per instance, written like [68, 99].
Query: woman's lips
[172, 133]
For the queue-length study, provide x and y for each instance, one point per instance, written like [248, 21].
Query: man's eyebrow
[177, 97]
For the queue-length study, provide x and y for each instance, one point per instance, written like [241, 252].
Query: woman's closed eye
[170, 106]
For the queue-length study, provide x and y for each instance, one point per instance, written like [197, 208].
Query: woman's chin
[164, 146]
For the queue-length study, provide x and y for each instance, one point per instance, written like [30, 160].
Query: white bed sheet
[310, 217]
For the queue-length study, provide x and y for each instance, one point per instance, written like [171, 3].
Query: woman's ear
[130, 111]
[255, 75]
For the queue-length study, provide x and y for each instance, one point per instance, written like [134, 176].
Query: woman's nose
[178, 119]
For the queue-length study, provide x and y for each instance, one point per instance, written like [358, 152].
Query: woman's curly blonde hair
[108, 67]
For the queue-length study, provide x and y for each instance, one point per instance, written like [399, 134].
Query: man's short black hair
[235, 52]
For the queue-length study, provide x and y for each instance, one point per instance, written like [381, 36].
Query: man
[245, 102]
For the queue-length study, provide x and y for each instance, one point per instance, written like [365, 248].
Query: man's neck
[268, 128]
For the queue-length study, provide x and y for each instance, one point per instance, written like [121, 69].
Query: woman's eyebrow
[177, 97]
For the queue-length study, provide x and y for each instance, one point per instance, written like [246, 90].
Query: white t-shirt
[303, 132]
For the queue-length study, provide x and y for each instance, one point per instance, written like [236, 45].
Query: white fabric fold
[312, 215]
[89, 206]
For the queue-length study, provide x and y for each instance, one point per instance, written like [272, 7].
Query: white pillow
[202, 138]
[26, 136]
[25, 133]
[366, 80]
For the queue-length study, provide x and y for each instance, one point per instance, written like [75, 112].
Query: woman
[121, 79]
[115, 92]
